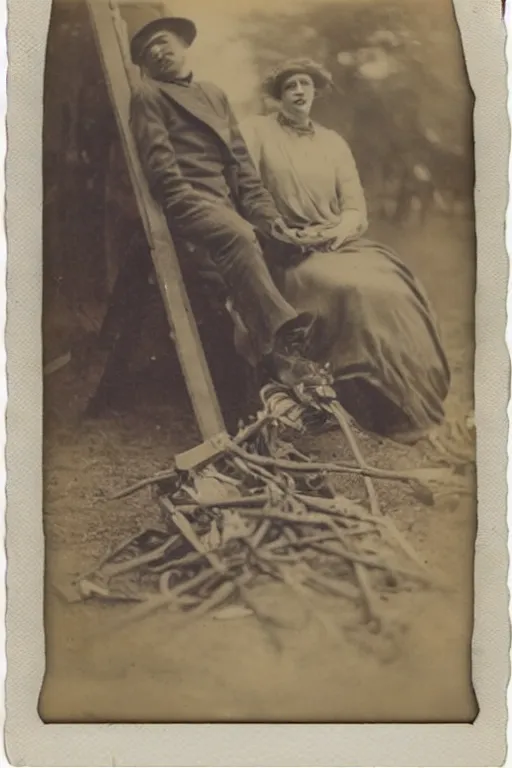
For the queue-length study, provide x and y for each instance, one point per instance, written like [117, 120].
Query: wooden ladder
[121, 75]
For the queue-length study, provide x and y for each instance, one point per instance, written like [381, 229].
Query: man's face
[165, 55]
[297, 94]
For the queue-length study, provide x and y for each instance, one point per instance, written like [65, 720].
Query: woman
[375, 327]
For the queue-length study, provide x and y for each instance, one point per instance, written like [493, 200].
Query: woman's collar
[301, 129]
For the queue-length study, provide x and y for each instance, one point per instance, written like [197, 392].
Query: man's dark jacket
[194, 156]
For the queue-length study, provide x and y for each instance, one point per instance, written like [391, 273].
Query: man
[200, 172]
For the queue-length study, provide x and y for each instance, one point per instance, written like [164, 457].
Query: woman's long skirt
[376, 329]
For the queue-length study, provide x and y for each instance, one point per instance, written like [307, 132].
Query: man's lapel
[209, 111]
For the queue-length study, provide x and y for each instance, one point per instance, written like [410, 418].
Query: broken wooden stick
[325, 467]
[216, 563]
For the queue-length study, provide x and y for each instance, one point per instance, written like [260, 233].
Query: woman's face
[297, 94]
[165, 55]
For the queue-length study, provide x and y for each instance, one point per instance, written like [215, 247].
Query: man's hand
[310, 237]
[282, 232]
[305, 237]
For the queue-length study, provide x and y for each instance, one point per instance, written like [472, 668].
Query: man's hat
[140, 29]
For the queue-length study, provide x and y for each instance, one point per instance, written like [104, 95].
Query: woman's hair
[273, 83]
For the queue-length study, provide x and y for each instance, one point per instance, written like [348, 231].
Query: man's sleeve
[256, 203]
[182, 205]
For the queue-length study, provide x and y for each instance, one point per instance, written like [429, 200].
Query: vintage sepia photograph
[259, 260]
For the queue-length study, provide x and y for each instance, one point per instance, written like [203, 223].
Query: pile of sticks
[241, 511]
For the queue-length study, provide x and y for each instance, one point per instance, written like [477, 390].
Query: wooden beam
[120, 75]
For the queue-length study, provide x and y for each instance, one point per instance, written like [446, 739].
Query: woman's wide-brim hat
[273, 83]
[140, 34]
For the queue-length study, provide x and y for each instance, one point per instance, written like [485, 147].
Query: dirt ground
[227, 670]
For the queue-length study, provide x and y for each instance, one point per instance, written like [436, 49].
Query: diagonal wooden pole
[112, 41]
